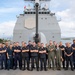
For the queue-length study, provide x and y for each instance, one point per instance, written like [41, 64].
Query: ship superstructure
[48, 27]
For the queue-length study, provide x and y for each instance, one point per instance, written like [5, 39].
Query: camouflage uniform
[51, 55]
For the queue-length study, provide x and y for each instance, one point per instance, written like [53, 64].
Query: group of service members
[37, 56]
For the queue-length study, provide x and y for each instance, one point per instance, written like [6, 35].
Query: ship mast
[37, 3]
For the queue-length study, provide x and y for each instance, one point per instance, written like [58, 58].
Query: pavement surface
[34, 72]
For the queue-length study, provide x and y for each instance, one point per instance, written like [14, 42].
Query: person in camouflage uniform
[51, 55]
[58, 57]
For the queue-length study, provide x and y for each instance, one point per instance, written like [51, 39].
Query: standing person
[17, 56]
[10, 57]
[1, 63]
[69, 57]
[39, 46]
[4, 58]
[34, 56]
[55, 44]
[42, 55]
[42, 52]
[73, 47]
[5, 47]
[51, 55]
[58, 57]
[14, 47]
[62, 47]
[25, 55]
[29, 45]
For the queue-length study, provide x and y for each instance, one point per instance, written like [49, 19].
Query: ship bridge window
[42, 12]
[34, 12]
[39, 12]
[45, 12]
[25, 12]
[28, 12]
[31, 12]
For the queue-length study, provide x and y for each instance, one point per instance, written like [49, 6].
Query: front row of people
[26, 56]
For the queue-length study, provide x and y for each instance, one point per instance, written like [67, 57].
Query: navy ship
[25, 26]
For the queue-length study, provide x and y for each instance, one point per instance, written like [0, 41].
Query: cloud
[6, 28]
[67, 23]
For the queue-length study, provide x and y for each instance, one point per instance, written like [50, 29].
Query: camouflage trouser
[58, 62]
[51, 58]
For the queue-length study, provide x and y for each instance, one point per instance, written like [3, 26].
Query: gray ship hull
[24, 29]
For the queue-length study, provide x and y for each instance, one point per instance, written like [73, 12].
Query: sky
[64, 10]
